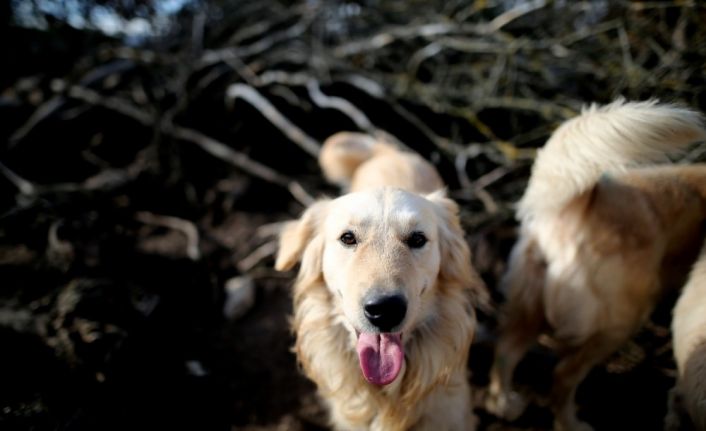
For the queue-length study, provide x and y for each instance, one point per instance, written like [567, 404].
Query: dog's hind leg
[571, 370]
[522, 322]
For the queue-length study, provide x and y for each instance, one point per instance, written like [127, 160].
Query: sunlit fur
[689, 343]
[432, 390]
[600, 240]
[357, 161]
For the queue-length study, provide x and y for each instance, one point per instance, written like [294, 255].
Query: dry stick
[25, 187]
[52, 105]
[373, 89]
[339, 104]
[243, 70]
[366, 85]
[645, 5]
[261, 26]
[208, 144]
[516, 12]
[262, 252]
[113, 103]
[546, 109]
[43, 112]
[270, 229]
[214, 56]
[106, 179]
[224, 152]
[280, 77]
[252, 96]
[628, 64]
[184, 226]
[285, 92]
[469, 11]
[487, 199]
[496, 73]
[385, 38]
[586, 32]
[422, 54]
[318, 97]
[59, 253]
[491, 177]
[477, 188]
[197, 32]
[427, 30]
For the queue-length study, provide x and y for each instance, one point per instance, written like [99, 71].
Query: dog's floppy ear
[296, 235]
[456, 266]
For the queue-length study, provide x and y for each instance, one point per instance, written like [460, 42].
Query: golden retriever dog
[383, 302]
[601, 238]
[689, 344]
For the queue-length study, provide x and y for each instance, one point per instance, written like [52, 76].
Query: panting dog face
[380, 254]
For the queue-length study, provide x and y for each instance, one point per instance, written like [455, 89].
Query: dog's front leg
[522, 321]
[573, 368]
[502, 400]
[449, 407]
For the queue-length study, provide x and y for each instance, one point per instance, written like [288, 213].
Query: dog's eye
[416, 240]
[348, 239]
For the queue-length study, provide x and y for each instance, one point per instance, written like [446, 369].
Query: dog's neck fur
[431, 358]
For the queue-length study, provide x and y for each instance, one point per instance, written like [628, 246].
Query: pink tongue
[380, 357]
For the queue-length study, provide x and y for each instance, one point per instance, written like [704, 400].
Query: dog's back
[357, 162]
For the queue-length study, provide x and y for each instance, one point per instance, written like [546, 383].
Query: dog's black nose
[385, 312]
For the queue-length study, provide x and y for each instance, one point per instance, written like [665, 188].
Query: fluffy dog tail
[343, 152]
[605, 139]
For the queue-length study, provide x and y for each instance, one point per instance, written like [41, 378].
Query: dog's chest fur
[434, 372]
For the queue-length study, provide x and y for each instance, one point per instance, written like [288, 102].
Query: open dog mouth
[380, 356]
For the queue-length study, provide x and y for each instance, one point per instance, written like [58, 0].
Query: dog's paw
[507, 405]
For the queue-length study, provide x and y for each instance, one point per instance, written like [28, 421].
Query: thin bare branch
[184, 226]
[294, 133]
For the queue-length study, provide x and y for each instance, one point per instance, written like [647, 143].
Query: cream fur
[689, 343]
[357, 161]
[600, 239]
[432, 390]
[607, 139]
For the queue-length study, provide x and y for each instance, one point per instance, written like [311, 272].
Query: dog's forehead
[388, 205]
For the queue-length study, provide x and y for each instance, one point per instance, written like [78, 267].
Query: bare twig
[390, 35]
[25, 187]
[252, 96]
[112, 103]
[522, 9]
[210, 145]
[43, 112]
[374, 89]
[262, 252]
[225, 153]
[339, 104]
[184, 226]
[214, 56]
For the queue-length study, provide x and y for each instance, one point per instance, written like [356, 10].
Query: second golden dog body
[600, 240]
